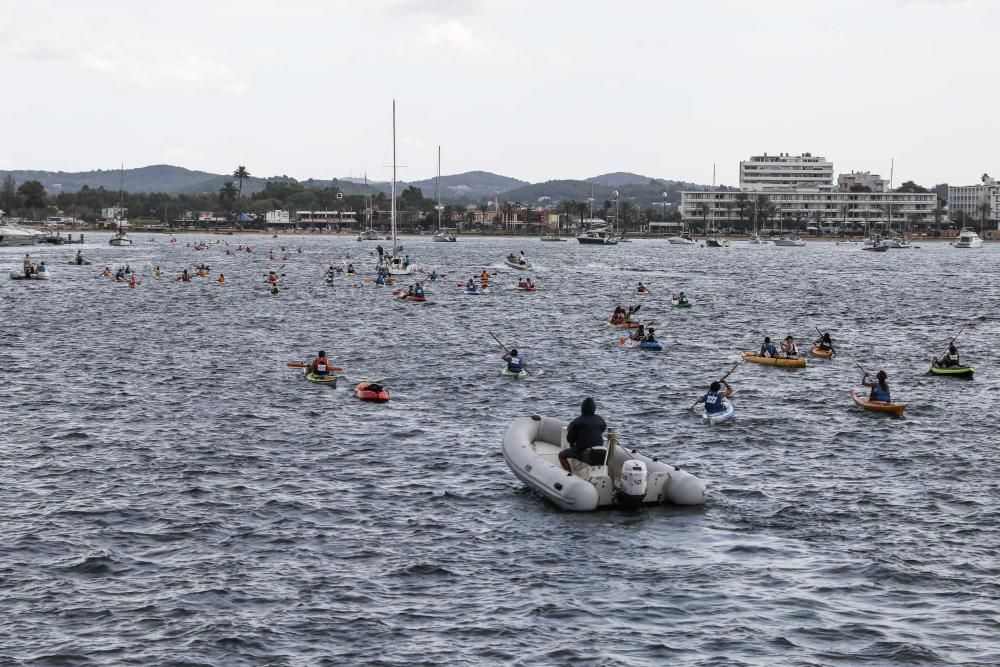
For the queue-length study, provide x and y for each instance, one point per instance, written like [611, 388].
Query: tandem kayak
[719, 417]
[894, 409]
[371, 391]
[652, 345]
[784, 362]
[328, 379]
[509, 374]
[680, 304]
[822, 354]
[952, 371]
[404, 296]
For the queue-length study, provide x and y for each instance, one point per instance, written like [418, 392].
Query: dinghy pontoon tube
[531, 448]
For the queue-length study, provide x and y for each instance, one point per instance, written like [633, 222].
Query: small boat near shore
[612, 476]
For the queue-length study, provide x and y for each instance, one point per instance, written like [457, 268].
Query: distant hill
[616, 179]
[471, 186]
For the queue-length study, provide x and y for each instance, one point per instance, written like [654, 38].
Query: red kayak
[370, 391]
[408, 297]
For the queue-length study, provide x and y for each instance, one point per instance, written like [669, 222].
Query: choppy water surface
[171, 492]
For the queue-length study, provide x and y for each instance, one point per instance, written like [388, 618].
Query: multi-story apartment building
[873, 182]
[969, 199]
[783, 171]
[797, 191]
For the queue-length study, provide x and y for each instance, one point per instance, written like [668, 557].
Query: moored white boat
[755, 239]
[625, 478]
[552, 237]
[968, 239]
[683, 239]
[12, 235]
[597, 236]
[789, 241]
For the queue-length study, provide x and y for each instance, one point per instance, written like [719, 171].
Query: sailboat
[397, 265]
[119, 238]
[369, 234]
[755, 238]
[442, 235]
[711, 240]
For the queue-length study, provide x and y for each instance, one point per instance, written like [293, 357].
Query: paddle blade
[295, 364]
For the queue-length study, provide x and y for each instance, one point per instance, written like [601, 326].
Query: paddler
[638, 333]
[584, 432]
[530, 284]
[880, 388]
[618, 316]
[418, 290]
[788, 347]
[350, 270]
[132, 282]
[681, 299]
[320, 365]
[824, 343]
[650, 336]
[185, 276]
[222, 279]
[107, 272]
[642, 289]
[713, 397]
[952, 358]
[471, 285]
[28, 266]
[272, 277]
[484, 277]
[79, 257]
[515, 364]
[768, 349]
[434, 275]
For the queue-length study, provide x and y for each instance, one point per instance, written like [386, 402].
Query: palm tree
[703, 210]
[984, 212]
[242, 174]
[484, 208]
[729, 205]
[939, 213]
[742, 201]
[818, 219]
[227, 196]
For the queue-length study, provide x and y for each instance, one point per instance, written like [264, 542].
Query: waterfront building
[969, 199]
[762, 173]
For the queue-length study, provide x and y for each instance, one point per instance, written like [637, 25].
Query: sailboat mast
[393, 191]
[121, 199]
[437, 189]
[892, 167]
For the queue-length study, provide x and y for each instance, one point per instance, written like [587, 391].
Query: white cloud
[451, 35]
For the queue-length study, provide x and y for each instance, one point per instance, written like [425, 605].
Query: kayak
[404, 296]
[719, 417]
[508, 374]
[328, 379]
[653, 345]
[629, 325]
[894, 409]
[676, 302]
[952, 371]
[784, 362]
[473, 291]
[371, 391]
[525, 289]
[822, 354]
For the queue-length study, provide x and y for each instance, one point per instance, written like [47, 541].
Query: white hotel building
[802, 190]
[969, 200]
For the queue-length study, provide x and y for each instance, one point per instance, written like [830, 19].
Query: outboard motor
[632, 490]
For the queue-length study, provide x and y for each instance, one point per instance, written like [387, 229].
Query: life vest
[515, 365]
[713, 402]
[419, 291]
[320, 367]
[793, 350]
[823, 345]
[880, 392]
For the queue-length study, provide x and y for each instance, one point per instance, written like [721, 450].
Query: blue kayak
[653, 345]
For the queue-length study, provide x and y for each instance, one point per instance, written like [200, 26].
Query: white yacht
[12, 235]
[899, 243]
[683, 239]
[598, 236]
[968, 239]
[444, 235]
[789, 240]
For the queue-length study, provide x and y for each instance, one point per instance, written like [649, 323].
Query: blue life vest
[882, 393]
[515, 365]
[713, 402]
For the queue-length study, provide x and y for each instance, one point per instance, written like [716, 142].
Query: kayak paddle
[299, 364]
[720, 380]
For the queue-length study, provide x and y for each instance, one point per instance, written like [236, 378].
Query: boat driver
[584, 432]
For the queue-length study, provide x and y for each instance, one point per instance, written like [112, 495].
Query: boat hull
[510, 374]
[952, 371]
[515, 265]
[372, 392]
[894, 409]
[719, 417]
[822, 354]
[783, 362]
[329, 379]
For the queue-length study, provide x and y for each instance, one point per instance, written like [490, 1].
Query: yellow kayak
[793, 362]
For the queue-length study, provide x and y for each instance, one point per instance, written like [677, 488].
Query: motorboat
[444, 236]
[370, 235]
[716, 242]
[789, 240]
[552, 237]
[612, 476]
[516, 262]
[755, 239]
[968, 239]
[40, 273]
[899, 243]
[12, 235]
[598, 236]
[683, 239]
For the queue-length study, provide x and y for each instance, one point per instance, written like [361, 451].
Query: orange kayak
[894, 409]
[792, 362]
[822, 354]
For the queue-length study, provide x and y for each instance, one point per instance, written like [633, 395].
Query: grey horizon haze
[532, 90]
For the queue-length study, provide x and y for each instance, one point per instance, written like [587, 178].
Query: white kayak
[626, 478]
[719, 417]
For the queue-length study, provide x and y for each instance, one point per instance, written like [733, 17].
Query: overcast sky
[533, 89]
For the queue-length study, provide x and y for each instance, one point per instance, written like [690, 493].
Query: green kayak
[680, 304]
[328, 379]
[507, 374]
[952, 371]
